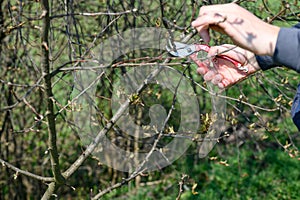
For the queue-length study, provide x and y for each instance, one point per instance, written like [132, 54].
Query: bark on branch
[59, 179]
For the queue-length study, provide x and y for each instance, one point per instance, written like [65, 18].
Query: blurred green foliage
[249, 175]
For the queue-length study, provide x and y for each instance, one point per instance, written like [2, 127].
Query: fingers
[201, 71]
[243, 27]
[217, 79]
[204, 34]
[203, 28]
[202, 68]
[209, 75]
[214, 78]
[225, 83]
[223, 73]
[209, 15]
[208, 20]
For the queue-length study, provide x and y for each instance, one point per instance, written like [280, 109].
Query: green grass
[269, 174]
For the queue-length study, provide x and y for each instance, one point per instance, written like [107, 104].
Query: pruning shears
[179, 49]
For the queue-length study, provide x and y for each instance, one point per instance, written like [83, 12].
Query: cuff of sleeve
[265, 62]
[287, 48]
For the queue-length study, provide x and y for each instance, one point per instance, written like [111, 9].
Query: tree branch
[20, 171]
[96, 14]
[48, 89]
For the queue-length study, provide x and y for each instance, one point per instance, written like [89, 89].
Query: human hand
[224, 73]
[244, 28]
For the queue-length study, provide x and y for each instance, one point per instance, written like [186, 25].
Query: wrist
[271, 38]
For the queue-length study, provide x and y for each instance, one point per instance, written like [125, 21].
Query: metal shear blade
[179, 49]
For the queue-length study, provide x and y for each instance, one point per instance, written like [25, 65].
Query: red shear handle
[235, 62]
[204, 47]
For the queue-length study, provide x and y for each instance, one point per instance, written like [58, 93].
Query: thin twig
[26, 173]
[181, 183]
[86, 14]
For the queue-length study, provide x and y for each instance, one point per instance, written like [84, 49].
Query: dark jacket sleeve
[287, 53]
[295, 111]
[287, 50]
